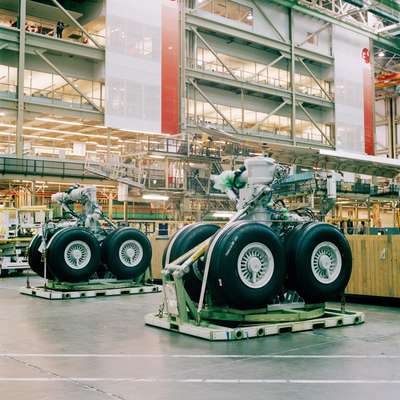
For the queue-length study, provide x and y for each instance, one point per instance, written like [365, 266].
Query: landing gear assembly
[76, 249]
[264, 259]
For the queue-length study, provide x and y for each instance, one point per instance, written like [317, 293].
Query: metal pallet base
[218, 332]
[94, 288]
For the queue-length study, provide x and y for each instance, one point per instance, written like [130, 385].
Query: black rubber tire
[306, 284]
[110, 253]
[4, 273]
[290, 242]
[190, 238]
[224, 276]
[35, 258]
[55, 255]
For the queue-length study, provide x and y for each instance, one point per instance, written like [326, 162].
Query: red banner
[170, 94]
[368, 104]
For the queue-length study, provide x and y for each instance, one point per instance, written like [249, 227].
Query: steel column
[292, 75]
[19, 141]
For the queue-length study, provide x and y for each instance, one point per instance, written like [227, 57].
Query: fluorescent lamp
[154, 196]
[223, 214]
[70, 133]
[59, 122]
[157, 157]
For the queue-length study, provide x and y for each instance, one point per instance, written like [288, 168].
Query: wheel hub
[77, 254]
[255, 265]
[130, 253]
[326, 262]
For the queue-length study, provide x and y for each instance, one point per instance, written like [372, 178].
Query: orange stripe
[368, 111]
[170, 95]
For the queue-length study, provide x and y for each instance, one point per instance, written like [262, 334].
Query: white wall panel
[133, 65]
[349, 103]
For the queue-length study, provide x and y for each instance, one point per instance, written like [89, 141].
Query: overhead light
[223, 214]
[154, 196]
[157, 157]
[70, 133]
[100, 126]
[2, 114]
[249, 17]
[34, 137]
[60, 122]
[381, 54]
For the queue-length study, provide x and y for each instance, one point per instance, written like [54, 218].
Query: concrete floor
[97, 349]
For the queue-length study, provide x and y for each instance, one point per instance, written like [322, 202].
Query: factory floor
[98, 349]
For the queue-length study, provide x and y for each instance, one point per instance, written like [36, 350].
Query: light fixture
[157, 157]
[381, 54]
[249, 16]
[59, 122]
[223, 214]
[155, 196]
[70, 133]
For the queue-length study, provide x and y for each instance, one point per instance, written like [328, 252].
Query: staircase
[128, 174]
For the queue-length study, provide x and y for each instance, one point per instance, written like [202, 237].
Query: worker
[349, 226]
[342, 226]
[362, 229]
[59, 29]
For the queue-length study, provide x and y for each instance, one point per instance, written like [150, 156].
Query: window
[228, 9]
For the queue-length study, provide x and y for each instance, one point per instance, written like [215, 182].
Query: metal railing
[263, 78]
[30, 167]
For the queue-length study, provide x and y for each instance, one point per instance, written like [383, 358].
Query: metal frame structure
[286, 49]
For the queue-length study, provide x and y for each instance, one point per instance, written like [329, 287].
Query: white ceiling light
[249, 16]
[223, 214]
[157, 157]
[59, 122]
[381, 54]
[155, 196]
[32, 128]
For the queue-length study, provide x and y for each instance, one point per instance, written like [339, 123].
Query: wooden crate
[376, 265]
[158, 245]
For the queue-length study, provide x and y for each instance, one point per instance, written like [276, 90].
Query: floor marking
[206, 380]
[212, 356]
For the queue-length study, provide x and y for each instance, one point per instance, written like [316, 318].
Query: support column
[19, 141]
[125, 211]
[292, 74]
[33, 193]
[392, 131]
[110, 205]
[109, 132]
